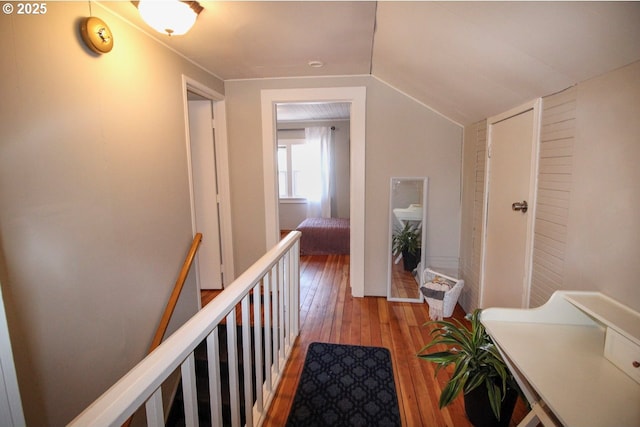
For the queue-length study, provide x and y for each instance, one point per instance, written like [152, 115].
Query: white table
[557, 354]
[413, 212]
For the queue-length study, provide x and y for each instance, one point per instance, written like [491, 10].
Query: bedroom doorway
[313, 157]
[356, 97]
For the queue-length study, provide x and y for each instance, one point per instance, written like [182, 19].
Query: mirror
[407, 238]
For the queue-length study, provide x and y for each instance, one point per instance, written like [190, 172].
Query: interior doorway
[205, 122]
[509, 210]
[356, 97]
[205, 191]
[313, 161]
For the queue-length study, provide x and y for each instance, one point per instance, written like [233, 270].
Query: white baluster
[281, 289]
[246, 359]
[268, 343]
[257, 335]
[189, 392]
[213, 363]
[155, 415]
[234, 389]
[275, 317]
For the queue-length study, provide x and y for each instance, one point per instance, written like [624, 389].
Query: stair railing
[272, 287]
[177, 288]
[173, 300]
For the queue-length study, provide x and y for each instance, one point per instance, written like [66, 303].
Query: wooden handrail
[177, 288]
[173, 300]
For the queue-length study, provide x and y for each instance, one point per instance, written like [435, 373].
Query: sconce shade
[172, 17]
[96, 35]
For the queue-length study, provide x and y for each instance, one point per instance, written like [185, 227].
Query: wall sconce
[171, 17]
[96, 35]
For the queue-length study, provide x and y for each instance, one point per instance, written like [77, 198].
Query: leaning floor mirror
[407, 238]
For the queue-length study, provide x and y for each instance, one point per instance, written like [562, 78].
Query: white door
[205, 194]
[505, 278]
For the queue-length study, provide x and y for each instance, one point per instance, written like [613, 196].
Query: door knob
[520, 206]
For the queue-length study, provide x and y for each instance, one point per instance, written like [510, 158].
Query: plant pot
[478, 408]
[410, 261]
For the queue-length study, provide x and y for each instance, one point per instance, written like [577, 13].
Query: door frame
[222, 170]
[536, 106]
[11, 410]
[357, 97]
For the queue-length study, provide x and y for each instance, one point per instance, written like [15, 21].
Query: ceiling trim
[337, 76]
[418, 101]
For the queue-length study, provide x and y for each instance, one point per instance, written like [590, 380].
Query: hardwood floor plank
[374, 325]
[332, 277]
[407, 398]
[336, 328]
[356, 332]
[365, 323]
[345, 321]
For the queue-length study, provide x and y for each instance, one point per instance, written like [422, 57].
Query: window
[283, 169]
[295, 158]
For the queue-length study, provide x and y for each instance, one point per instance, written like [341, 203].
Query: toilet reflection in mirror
[407, 238]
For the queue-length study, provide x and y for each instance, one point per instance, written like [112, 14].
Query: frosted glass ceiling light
[170, 17]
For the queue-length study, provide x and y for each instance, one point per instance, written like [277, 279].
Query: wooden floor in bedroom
[330, 314]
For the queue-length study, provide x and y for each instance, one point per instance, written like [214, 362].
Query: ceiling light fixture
[316, 64]
[171, 17]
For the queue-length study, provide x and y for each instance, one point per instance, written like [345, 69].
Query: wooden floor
[404, 284]
[330, 314]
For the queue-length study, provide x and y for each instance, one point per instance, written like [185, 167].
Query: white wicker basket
[451, 296]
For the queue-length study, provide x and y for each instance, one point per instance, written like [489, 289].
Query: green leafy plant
[475, 357]
[407, 239]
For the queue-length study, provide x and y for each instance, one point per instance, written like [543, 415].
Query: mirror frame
[423, 254]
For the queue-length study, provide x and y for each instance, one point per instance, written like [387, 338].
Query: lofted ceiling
[465, 60]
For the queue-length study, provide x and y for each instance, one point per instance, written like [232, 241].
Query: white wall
[291, 213]
[403, 138]
[407, 139]
[603, 235]
[341, 206]
[94, 203]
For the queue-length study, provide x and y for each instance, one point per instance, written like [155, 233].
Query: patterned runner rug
[345, 385]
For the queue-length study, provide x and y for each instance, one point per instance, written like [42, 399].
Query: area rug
[345, 385]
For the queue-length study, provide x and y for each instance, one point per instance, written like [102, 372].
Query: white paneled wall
[473, 202]
[557, 135]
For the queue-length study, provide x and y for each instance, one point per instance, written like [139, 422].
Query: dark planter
[409, 260]
[478, 409]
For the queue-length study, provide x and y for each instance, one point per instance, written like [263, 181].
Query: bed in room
[324, 236]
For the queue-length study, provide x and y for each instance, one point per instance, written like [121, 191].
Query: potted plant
[408, 242]
[480, 372]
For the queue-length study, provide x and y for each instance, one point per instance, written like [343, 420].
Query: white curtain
[319, 198]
